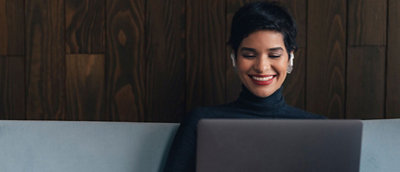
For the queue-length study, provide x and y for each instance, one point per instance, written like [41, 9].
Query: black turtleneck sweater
[182, 154]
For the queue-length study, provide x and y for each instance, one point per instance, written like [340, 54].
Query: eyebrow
[247, 49]
[254, 50]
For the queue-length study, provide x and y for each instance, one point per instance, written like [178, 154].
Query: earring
[290, 67]
[233, 59]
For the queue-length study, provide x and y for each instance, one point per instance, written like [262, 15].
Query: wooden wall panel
[45, 60]
[125, 60]
[294, 86]
[154, 60]
[393, 61]
[12, 27]
[365, 82]
[367, 22]
[165, 55]
[12, 87]
[85, 29]
[326, 55]
[85, 88]
[205, 53]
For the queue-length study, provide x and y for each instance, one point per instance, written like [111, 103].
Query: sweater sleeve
[182, 155]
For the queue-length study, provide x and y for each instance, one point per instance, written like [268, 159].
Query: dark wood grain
[85, 28]
[205, 52]
[294, 86]
[393, 61]
[125, 60]
[326, 56]
[165, 54]
[12, 27]
[365, 82]
[45, 60]
[12, 88]
[367, 22]
[85, 87]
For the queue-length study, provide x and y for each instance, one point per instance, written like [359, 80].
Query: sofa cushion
[380, 150]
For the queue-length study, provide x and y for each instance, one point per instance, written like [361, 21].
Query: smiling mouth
[262, 79]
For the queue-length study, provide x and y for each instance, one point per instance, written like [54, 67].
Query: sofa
[66, 146]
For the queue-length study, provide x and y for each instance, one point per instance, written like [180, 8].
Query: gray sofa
[59, 146]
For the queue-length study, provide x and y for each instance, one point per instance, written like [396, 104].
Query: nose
[262, 64]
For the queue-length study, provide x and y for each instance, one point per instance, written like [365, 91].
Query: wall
[154, 60]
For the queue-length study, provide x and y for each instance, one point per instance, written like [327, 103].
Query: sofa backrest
[44, 146]
[48, 146]
[380, 150]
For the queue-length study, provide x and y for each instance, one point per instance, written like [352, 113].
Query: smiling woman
[262, 62]
[263, 42]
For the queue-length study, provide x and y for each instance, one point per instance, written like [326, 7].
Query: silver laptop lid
[278, 145]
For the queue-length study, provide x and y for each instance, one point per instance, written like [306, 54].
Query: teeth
[262, 78]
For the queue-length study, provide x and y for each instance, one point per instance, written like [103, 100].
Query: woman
[263, 42]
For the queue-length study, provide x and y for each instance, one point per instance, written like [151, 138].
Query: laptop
[241, 145]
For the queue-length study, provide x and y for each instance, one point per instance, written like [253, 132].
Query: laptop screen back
[278, 145]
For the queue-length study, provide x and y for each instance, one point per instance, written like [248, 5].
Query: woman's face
[262, 62]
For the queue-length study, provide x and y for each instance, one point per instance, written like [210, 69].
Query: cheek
[282, 65]
[243, 65]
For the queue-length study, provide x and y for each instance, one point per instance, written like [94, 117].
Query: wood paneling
[12, 27]
[45, 60]
[205, 53]
[367, 22]
[326, 56]
[365, 82]
[393, 61]
[12, 87]
[85, 29]
[85, 87]
[155, 60]
[294, 86]
[165, 55]
[125, 60]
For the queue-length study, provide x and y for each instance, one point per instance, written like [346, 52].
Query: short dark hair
[257, 16]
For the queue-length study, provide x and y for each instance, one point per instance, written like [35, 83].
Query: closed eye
[275, 56]
[248, 56]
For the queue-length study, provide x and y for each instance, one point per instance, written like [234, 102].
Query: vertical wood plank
[206, 59]
[85, 87]
[367, 22]
[12, 27]
[393, 61]
[45, 60]
[365, 82]
[125, 61]
[85, 29]
[165, 76]
[326, 55]
[294, 86]
[12, 88]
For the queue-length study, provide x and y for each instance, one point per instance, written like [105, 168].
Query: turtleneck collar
[273, 102]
